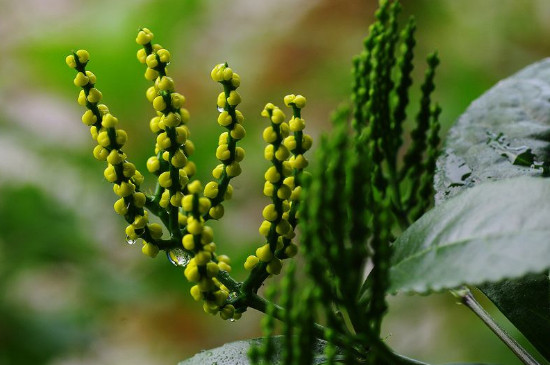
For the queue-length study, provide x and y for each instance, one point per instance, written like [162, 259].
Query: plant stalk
[466, 297]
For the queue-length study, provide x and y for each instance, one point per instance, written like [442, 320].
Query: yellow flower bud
[150, 250]
[217, 72]
[269, 152]
[299, 162]
[131, 233]
[151, 60]
[212, 269]
[203, 257]
[108, 121]
[194, 226]
[234, 98]
[289, 99]
[195, 187]
[269, 188]
[227, 74]
[155, 230]
[227, 312]
[165, 83]
[272, 175]
[177, 100]
[296, 193]
[217, 172]
[121, 137]
[196, 293]
[228, 192]
[164, 180]
[103, 139]
[233, 169]
[283, 227]
[284, 192]
[89, 118]
[140, 221]
[94, 95]
[141, 55]
[236, 80]
[124, 189]
[224, 119]
[190, 169]
[216, 212]
[91, 77]
[184, 178]
[269, 135]
[204, 205]
[188, 242]
[144, 36]
[153, 164]
[221, 100]
[121, 207]
[220, 295]
[224, 266]
[297, 124]
[251, 262]
[83, 56]
[110, 173]
[70, 61]
[210, 308]
[82, 98]
[100, 153]
[277, 116]
[192, 274]
[81, 79]
[238, 132]
[223, 153]
[264, 228]
[207, 235]
[307, 141]
[175, 199]
[164, 55]
[151, 74]
[159, 104]
[264, 253]
[282, 153]
[274, 267]
[187, 202]
[270, 213]
[178, 160]
[287, 169]
[164, 141]
[181, 135]
[300, 101]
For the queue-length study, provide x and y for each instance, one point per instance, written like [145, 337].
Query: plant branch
[466, 297]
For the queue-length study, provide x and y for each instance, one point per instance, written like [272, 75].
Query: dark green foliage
[354, 208]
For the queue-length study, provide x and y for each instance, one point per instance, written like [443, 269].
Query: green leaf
[488, 233]
[237, 353]
[504, 134]
[526, 303]
[499, 134]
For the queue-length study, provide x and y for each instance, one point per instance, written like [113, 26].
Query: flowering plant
[363, 208]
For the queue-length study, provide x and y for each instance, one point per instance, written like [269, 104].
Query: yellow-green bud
[251, 262]
[150, 250]
[264, 253]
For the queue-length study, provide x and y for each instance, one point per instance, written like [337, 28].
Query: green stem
[466, 297]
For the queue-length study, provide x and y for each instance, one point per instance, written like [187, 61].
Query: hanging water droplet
[129, 240]
[231, 319]
[220, 109]
[178, 257]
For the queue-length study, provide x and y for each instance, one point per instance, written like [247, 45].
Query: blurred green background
[72, 291]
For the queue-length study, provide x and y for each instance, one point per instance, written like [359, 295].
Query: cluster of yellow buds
[202, 269]
[110, 140]
[227, 152]
[283, 185]
[173, 147]
[180, 201]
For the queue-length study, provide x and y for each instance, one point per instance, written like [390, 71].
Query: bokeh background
[72, 291]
